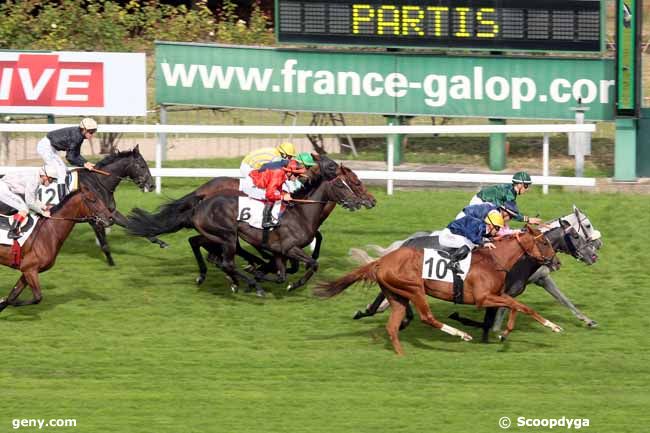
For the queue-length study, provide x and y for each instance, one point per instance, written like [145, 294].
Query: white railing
[389, 175]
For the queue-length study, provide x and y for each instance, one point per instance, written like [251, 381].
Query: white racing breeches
[11, 198]
[49, 155]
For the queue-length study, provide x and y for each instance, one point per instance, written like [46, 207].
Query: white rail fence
[390, 175]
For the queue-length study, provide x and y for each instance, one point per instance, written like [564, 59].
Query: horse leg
[14, 293]
[371, 309]
[312, 266]
[488, 322]
[510, 326]
[492, 300]
[31, 278]
[318, 237]
[397, 312]
[100, 235]
[419, 300]
[408, 319]
[498, 319]
[544, 280]
[196, 242]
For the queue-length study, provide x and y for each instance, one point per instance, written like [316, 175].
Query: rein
[306, 201]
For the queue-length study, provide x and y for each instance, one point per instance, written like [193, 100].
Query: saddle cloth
[27, 229]
[250, 211]
[435, 261]
[50, 194]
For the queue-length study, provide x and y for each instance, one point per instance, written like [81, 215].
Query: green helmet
[305, 159]
[521, 177]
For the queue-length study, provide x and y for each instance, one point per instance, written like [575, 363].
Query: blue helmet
[511, 208]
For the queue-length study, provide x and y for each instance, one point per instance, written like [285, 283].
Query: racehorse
[177, 214]
[399, 275]
[566, 235]
[40, 250]
[121, 165]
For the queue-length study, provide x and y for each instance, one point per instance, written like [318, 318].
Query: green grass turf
[140, 348]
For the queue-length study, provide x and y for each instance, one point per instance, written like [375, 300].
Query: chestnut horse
[399, 275]
[40, 251]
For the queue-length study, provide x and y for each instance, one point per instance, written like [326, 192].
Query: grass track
[139, 348]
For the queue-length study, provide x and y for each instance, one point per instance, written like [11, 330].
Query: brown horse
[40, 251]
[399, 275]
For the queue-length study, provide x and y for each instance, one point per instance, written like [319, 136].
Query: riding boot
[62, 190]
[14, 231]
[456, 257]
[267, 218]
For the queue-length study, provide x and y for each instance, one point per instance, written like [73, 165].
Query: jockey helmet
[494, 217]
[88, 124]
[49, 170]
[287, 149]
[294, 167]
[522, 177]
[510, 207]
[305, 159]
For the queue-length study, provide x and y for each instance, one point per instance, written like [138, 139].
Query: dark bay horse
[121, 165]
[40, 251]
[177, 214]
[215, 219]
[399, 275]
[563, 238]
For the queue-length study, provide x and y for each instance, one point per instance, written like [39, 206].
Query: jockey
[499, 194]
[259, 157]
[70, 140]
[468, 232]
[508, 211]
[26, 182]
[271, 181]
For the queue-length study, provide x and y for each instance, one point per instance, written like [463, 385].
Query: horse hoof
[164, 245]
[358, 315]
[234, 288]
[200, 279]
[503, 338]
[592, 324]
[290, 287]
[261, 293]
[556, 328]
[466, 337]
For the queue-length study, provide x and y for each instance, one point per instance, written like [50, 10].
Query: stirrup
[14, 234]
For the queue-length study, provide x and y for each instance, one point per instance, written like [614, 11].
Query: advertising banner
[73, 83]
[384, 83]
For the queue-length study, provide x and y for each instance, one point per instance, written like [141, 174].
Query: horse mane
[113, 157]
[64, 201]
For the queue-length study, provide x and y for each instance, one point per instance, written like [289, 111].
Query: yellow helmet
[287, 148]
[494, 217]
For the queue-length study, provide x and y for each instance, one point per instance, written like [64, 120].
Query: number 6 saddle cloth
[250, 211]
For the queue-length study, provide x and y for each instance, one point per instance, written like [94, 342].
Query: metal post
[545, 158]
[161, 146]
[391, 163]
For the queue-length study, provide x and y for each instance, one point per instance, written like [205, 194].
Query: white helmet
[88, 124]
[49, 170]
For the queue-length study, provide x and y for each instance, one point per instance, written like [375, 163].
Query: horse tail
[366, 273]
[359, 256]
[171, 217]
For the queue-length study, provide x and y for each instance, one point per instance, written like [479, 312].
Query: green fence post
[50, 118]
[497, 147]
[625, 150]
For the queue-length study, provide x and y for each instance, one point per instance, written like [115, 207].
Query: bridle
[545, 260]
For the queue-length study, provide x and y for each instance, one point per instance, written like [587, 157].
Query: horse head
[339, 190]
[84, 205]
[129, 164]
[538, 247]
[583, 226]
[572, 243]
[359, 189]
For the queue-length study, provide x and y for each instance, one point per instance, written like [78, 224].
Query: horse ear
[136, 149]
[316, 156]
[565, 224]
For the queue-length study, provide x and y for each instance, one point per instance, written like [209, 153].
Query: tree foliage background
[105, 25]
